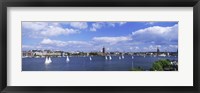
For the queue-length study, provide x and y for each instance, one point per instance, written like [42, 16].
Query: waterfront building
[158, 51]
[103, 51]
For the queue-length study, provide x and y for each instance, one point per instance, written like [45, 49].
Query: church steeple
[158, 51]
[103, 50]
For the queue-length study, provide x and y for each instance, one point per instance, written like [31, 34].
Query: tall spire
[103, 50]
[158, 51]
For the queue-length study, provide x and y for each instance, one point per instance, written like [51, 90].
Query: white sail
[110, 58]
[50, 60]
[90, 58]
[106, 58]
[132, 57]
[47, 60]
[67, 59]
[120, 57]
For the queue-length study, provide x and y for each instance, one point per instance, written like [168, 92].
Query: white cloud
[78, 42]
[30, 47]
[27, 47]
[93, 29]
[135, 48]
[46, 29]
[59, 43]
[47, 41]
[96, 26]
[173, 46]
[157, 35]
[122, 23]
[153, 47]
[79, 25]
[54, 31]
[113, 24]
[112, 40]
[53, 42]
[99, 25]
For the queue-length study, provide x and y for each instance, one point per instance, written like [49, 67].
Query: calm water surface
[98, 63]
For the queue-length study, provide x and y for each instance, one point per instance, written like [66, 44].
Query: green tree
[160, 65]
[157, 67]
[164, 63]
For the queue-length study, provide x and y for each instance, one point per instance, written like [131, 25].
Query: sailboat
[90, 58]
[48, 60]
[132, 57]
[110, 57]
[67, 59]
[106, 58]
[120, 57]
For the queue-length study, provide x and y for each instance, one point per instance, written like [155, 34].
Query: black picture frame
[100, 3]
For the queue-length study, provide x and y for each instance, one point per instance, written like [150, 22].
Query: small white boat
[120, 57]
[110, 57]
[90, 58]
[67, 59]
[48, 60]
[132, 57]
[106, 58]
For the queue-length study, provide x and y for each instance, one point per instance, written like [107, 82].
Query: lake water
[98, 63]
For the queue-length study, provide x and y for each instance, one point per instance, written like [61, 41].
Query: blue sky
[92, 36]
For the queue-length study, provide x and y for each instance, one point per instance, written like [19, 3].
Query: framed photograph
[100, 46]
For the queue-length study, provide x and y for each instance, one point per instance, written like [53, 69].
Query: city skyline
[92, 36]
